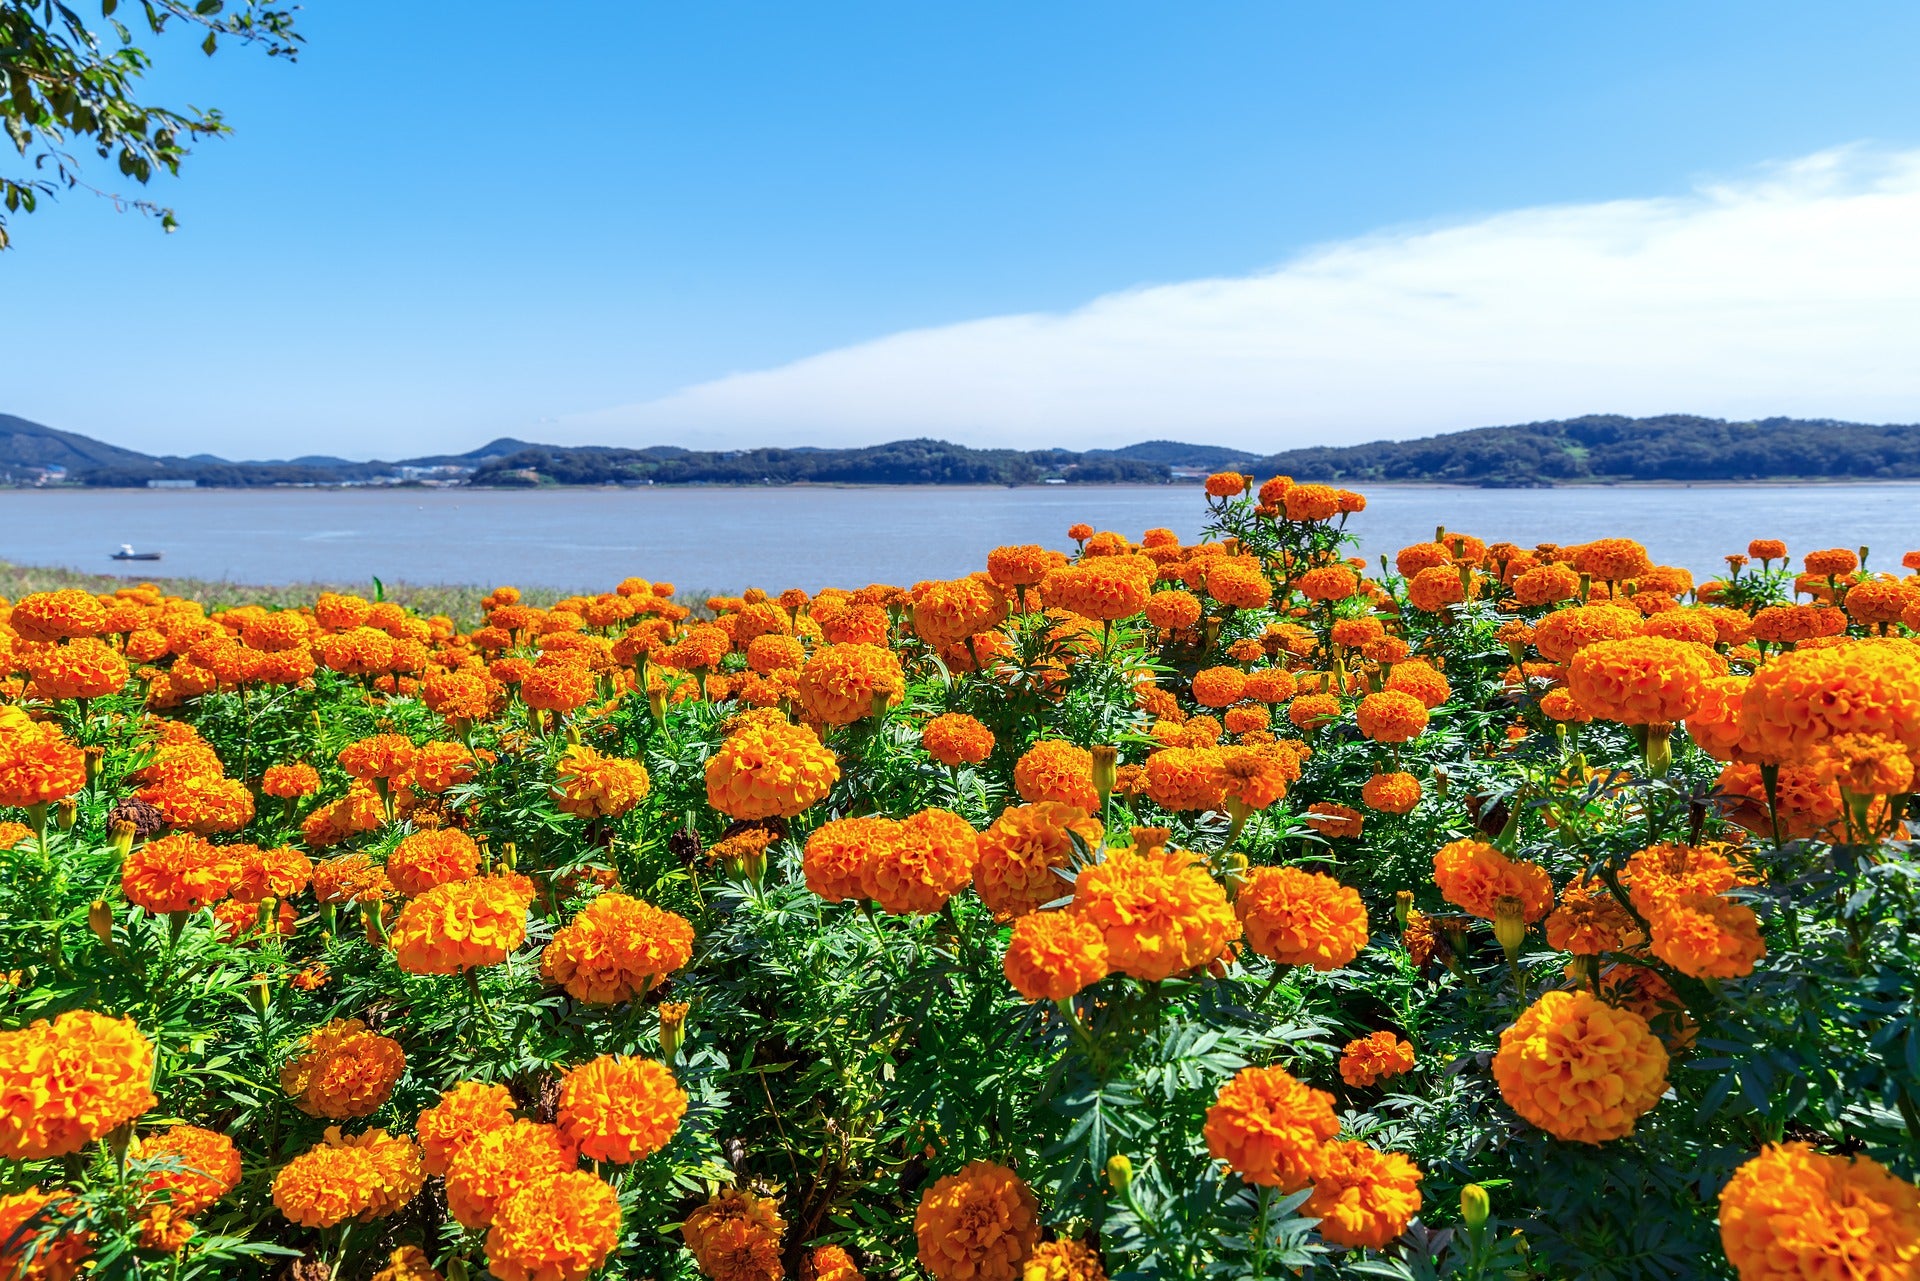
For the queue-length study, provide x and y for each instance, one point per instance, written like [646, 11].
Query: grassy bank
[462, 604]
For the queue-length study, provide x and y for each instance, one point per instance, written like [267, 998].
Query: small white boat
[126, 552]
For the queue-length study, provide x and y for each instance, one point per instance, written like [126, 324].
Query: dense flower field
[1228, 910]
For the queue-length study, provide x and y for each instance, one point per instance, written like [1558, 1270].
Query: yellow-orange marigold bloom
[559, 1228]
[46, 617]
[1105, 588]
[1612, 560]
[1339, 822]
[1257, 776]
[841, 850]
[408, 1263]
[1377, 1057]
[1053, 955]
[37, 764]
[735, 1236]
[1391, 793]
[66, 1083]
[590, 785]
[1590, 921]
[1301, 918]
[367, 1176]
[1363, 1197]
[343, 1071]
[1798, 701]
[840, 683]
[1660, 872]
[1545, 584]
[1391, 716]
[493, 1165]
[620, 1109]
[929, 860]
[956, 739]
[1706, 936]
[1237, 584]
[202, 805]
[469, 1109]
[1219, 686]
[426, 859]
[1225, 484]
[979, 1224]
[1159, 910]
[191, 1166]
[1328, 583]
[1267, 1126]
[1714, 723]
[1640, 680]
[769, 769]
[617, 948]
[1565, 632]
[1063, 1260]
[830, 1263]
[178, 873]
[1019, 566]
[1473, 876]
[1580, 1069]
[1173, 611]
[947, 612]
[1432, 590]
[84, 668]
[1058, 772]
[350, 878]
[290, 782]
[379, 756]
[1186, 778]
[1311, 711]
[1311, 502]
[1019, 858]
[57, 1257]
[557, 686]
[461, 925]
[1421, 680]
[1793, 1214]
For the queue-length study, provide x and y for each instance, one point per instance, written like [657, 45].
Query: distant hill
[1608, 447]
[1599, 448]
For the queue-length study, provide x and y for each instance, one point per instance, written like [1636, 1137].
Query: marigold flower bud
[1475, 1206]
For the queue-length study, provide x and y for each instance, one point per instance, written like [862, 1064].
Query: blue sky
[448, 222]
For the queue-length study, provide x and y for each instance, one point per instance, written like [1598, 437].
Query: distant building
[173, 484]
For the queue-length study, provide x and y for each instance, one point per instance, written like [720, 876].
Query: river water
[724, 539]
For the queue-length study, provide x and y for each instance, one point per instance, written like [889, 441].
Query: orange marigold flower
[1432, 590]
[1798, 701]
[1612, 560]
[438, 766]
[1020, 856]
[1173, 611]
[1474, 876]
[202, 805]
[1064, 1260]
[1706, 936]
[367, 1176]
[1020, 566]
[350, 878]
[1767, 549]
[1301, 918]
[1421, 680]
[1267, 1127]
[1186, 778]
[1219, 686]
[407, 1263]
[1831, 563]
[1590, 920]
[1053, 955]
[1311, 711]
[380, 756]
[84, 668]
[841, 850]
[1545, 585]
[1640, 680]
[947, 612]
[979, 1224]
[37, 764]
[1104, 588]
[469, 1109]
[841, 683]
[617, 948]
[619, 1109]
[830, 1263]
[1660, 872]
[1564, 633]
[1058, 772]
[1363, 1197]
[559, 1228]
[1391, 793]
[1373, 1058]
[1237, 585]
[426, 859]
[769, 769]
[1328, 583]
[590, 785]
[45, 617]
[1311, 502]
[1256, 777]
[343, 1071]
[1714, 723]
[461, 925]
[191, 1167]
[1391, 717]
[1226, 484]
[178, 873]
[735, 1236]
[1159, 910]
[1336, 821]
[955, 739]
[1791, 1213]
[68, 1082]
[57, 1256]
[290, 782]
[929, 860]
[1579, 1069]
[493, 1165]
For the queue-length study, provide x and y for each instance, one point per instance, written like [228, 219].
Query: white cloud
[1794, 292]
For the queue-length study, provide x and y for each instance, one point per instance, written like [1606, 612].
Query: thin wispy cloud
[1793, 291]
